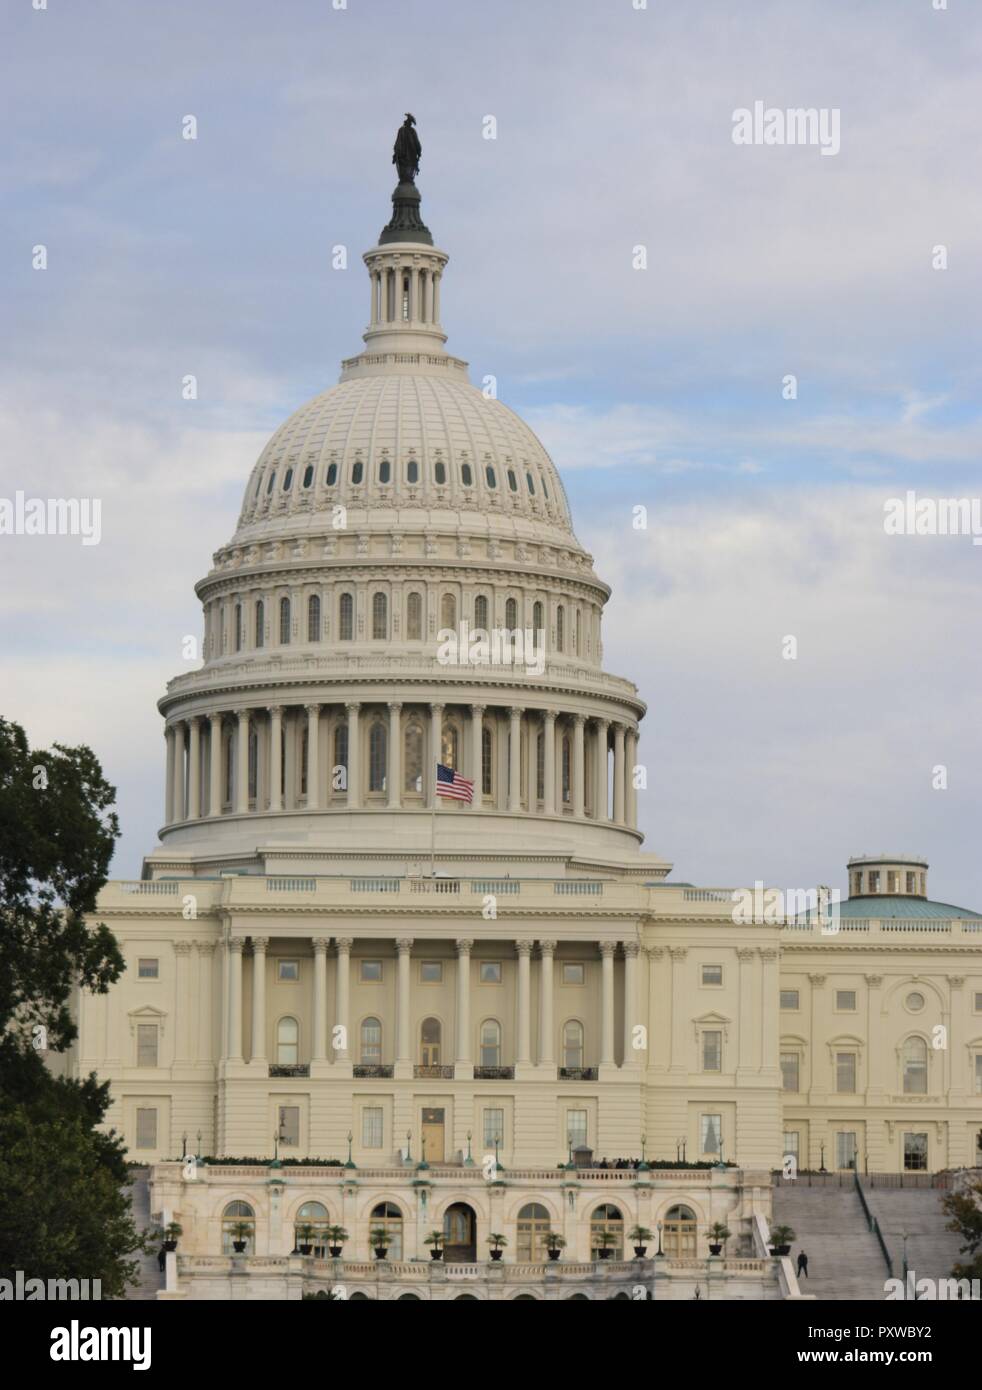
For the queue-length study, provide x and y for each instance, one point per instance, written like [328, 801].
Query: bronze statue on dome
[407, 150]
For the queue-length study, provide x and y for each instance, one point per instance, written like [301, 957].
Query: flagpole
[433, 828]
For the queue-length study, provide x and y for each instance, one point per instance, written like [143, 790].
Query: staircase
[931, 1250]
[844, 1257]
[149, 1277]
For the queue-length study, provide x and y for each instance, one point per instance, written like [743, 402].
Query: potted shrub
[554, 1244]
[241, 1232]
[640, 1235]
[172, 1230]
[379, 1238]
[497, 1243]
[336, 1236]
[605, 1240]
[781, 1238]
[435, 1241]
[719, 1234]
[305, 1238]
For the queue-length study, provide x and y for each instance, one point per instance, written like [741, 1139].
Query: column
[678, 954]
[600, 773]
[748, 1008]
[404, 1053]
[169, 775]
[436, 737]
[258, 1054]
[235, 999]
[550, 763]
[619, 774]
[632, 1056]
[276, 757]
[547, 1057]
[203, 1051]
[578, 766]
[178, 788]
[313, 756]
[770, 1019]
[242, 762]
[874, 1082]
[515, 761]
[606, 1003]
[354, 759]
[477, 753]
[463, 1057]
[394, 770]
[438, 276]
[215, 765]
[532, 724]
[631, 791]
[524, 950]
[343, 944]
[194, 769]
[182, 1002]
[318, 1047]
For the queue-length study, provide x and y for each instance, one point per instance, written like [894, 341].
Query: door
[433, 1135]
[459, 1234]
[429, 1042]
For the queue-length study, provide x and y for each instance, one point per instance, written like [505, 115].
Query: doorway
[433, 1132]
[459, 1234]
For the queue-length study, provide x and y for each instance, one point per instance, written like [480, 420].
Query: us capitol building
[456, 1011]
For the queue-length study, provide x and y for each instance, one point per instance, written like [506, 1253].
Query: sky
[641, 288]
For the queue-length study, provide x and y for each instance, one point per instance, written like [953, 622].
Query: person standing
[802, 1264]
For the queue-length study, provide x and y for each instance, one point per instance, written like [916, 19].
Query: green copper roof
[883, 906]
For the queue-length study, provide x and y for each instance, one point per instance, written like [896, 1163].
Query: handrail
[873, 1224]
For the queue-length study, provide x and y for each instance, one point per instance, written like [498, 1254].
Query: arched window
[679, 1232]
[384, 471]
[371, 1041]
[607, 1232]
[561, 628]
[487, 762]
[490, 1043]
[376, 757]
[380, 617]
[545, 490]
[533, 1227]
[313, 619]
[448, 750]
[312, 1215]
[915, 1067]
[387, 1218]
[490, 476]
[413, 758]
[260, 623]
[271, 483]
[448, 611]
[308, 475]
[346, 618]
[481, 612]
[341, 757]
[566, 769]
[531, 484]
[238, 627]
[511, 615]
[414, 617]
[440, 472]
[537, 616]
[429, 1042]
[284, 621]
[412, 472]
[357, 472]
[576, 631]
[573, 1043]
[332, 475]
[287, 480]
[466, 476]
[288, 1042]
[512, 480]
[235, 1218]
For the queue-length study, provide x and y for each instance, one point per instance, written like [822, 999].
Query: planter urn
[381, 1251]
[496, 1254]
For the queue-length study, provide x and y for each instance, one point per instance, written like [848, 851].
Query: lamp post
[823, 1168]
[199, 1147]
[469, 1161]
[644, 1162]
[278, 1136]
[350, 1163]
[409, 1146]
[660, 1250]
[905, 1258]
[184, 1144]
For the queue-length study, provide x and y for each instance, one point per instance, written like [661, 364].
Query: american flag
[450, 783]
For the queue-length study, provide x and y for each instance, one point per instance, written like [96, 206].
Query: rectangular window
[371, 971]
[146, 1129]
[873, 879]
[911, 883]
[710, 1133]
[893, 881]
[371, 1127]
[431, 971]
[712, 974]
[146, 1044]
[789, 1071]
[792, 1143]
[915, 1153]
[148, 969]
[573, 973]
[576, 1127]
[978, 1002]
[845, 1148]
[494, 1127]
[290, 1126]
[978, 1073]
[490, 972]
[789, 998]
[845, 1001]
[288, 970]
[712, 1051]
[845, 1073]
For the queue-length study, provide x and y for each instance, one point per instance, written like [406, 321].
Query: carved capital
[259, 944]
[404, 944]
[816, 981]
[607, 948]
[320, 944]
[632, 948]
[182, 948]
[523, 948]
[464, 945]
[547, 948]
[236, 943]
[678, 953]
[344, 943]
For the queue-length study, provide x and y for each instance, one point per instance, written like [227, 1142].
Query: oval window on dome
[915, 1002]
[332, 474]
[512, 480]
[287, 479]
[270, 484]
[412, 471]
[384, 471]
[308, 475]
[357, 472]
[440, 472]
[466, 476]
[489, 474]
[545, 490]
[531, 484]
[259, 483]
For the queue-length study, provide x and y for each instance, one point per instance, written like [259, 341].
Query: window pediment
[147, 1014]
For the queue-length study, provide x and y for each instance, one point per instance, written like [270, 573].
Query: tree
[965, 1210]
